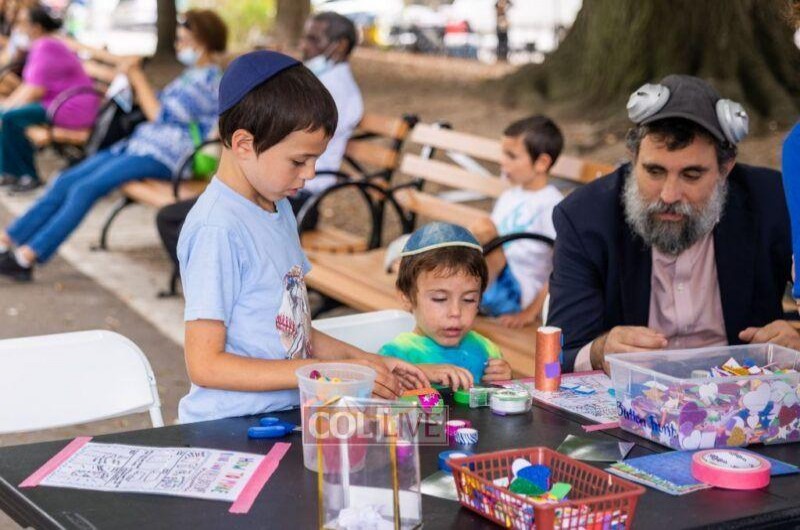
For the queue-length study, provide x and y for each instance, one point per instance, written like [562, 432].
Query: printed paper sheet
[600, 406]
[185, 472]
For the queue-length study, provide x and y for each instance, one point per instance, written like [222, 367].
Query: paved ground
[64, 299]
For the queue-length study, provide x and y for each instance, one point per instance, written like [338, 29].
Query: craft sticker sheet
[185, 472]
[587, 394]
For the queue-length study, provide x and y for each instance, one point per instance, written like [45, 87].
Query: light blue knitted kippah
[439, 235]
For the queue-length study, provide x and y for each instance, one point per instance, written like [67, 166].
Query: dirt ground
[456, 90]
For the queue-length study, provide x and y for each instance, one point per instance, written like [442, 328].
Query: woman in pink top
[51, 70]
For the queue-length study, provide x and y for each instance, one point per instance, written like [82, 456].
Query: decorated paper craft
[585, 394]
[428, 398]
[184, 472]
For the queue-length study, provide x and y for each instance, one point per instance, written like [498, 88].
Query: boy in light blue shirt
[248, 325]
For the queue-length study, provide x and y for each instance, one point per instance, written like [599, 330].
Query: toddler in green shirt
[441, 278]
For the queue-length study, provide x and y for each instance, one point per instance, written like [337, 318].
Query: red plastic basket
[597, 500]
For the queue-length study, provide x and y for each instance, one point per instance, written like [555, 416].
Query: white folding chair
[368, 331]
[69, 378]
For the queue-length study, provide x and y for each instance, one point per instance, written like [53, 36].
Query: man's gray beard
[671, 237]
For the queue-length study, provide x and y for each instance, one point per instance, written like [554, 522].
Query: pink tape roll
[452, 426]
[731, 469]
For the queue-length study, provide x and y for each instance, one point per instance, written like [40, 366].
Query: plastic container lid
[343, 379]
[461, 397]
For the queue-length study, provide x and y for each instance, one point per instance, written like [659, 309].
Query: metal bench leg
[123, 203]
[173, 284]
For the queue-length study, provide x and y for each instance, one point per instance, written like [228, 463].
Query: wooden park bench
[371, 159]
[372, 155]
[361, 280]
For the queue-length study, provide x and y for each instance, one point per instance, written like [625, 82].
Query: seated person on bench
[51, 69]
[681, 248]
[441, 277]
[518, 271]
[327, 42]
[153, 150]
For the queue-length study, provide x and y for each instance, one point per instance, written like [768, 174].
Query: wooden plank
[442, 210]
[371, 154]
[358, 281]
[39, 135]
[42, 135]
[388, 127]
[158, 193]
[567, 168]
[594, 170]
[71, 136]
[452, 176]
[448, 139]
[577, 170]
[332, 239]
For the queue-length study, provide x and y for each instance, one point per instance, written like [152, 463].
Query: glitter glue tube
[547, 375]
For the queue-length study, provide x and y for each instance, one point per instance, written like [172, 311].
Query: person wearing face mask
[328, 40]
[683, 247]
[154, 150]
[51, 69]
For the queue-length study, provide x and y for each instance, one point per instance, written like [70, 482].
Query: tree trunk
[289, 21]
[744, 47]
[165, 27]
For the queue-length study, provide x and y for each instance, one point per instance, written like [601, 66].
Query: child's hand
[410, 376]
[387, 385]
[516, 320]
[497, 370]
[447, 374]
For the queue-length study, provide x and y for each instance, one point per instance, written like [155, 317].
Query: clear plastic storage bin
[368, 465]
[664, 397]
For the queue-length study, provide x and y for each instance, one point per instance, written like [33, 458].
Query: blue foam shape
[539, 475]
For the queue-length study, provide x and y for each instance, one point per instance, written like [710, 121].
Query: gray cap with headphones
[691, 98]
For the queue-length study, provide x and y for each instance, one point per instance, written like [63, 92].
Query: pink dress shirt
[685, 303]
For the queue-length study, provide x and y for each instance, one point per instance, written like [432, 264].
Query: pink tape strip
[601, 426]
[40, 474]
[265, 469]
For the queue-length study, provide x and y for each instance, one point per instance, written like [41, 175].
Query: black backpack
[113, 123]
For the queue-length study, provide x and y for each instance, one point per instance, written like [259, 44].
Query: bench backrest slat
[450, 140]
[566, 167]
[371, 154]
[385, 126]
[450, 175]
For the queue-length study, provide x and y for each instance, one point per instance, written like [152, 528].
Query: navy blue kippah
[247, 72]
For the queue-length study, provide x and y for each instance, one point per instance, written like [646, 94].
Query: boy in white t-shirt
[518, 271]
